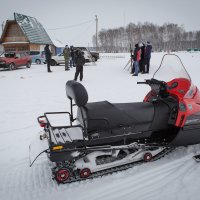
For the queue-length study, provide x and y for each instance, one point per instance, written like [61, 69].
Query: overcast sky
[78, 16]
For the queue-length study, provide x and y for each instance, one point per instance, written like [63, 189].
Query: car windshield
[171, 68]
[8, 55]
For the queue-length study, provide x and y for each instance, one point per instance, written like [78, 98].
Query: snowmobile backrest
[77, 92]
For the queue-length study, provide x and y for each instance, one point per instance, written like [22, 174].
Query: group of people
[141, 58]
[69, 55]
[73, 57]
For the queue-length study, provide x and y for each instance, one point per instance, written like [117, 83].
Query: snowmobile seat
[135, 117]
[141, 112]
[105, 115]
[147, 115]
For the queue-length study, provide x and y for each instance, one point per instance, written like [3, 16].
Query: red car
[13, 60]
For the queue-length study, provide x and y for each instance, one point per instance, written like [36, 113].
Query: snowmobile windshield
[171, 68]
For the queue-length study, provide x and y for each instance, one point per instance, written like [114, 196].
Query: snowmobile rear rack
[42, 120]
[61, 134]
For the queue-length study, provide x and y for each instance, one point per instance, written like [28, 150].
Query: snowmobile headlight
[58, 147]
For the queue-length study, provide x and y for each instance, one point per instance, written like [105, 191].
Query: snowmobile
[107, 137]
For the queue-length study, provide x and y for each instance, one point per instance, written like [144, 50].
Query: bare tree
[168, 37]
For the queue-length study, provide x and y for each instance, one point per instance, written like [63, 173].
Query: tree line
[168, 37]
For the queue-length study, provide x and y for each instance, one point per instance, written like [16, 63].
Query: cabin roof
[32, 29]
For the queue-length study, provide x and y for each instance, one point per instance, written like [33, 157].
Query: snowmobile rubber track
[118, 168]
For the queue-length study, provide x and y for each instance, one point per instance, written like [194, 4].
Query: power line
[71, 26]
[81, 33]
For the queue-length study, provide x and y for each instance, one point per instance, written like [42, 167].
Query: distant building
[25, 33]
[59, 46]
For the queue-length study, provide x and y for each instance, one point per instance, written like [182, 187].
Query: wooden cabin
[25, 33]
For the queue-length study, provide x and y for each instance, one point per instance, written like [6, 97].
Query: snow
[28, 93]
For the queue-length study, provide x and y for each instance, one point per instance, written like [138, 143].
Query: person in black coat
[80, 61]
[48, 57]
[72, 57]
[141, 63]
[147, 57]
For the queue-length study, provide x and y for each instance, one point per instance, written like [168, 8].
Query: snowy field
[27, 93]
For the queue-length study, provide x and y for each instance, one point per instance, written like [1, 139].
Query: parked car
[87, 54]
[38, 57]
[59, 59]
[56, 60]
[13, 60]
[95, 56]
[92, 55]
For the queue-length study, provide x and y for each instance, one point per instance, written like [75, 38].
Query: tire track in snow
[22, 182]
[145, 185]
[17, 129]
[154, 188]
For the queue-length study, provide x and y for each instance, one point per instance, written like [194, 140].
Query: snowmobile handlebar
[141, 83]
[152, 82]
[160, 87]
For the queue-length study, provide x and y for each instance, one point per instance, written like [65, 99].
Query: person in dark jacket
[48, 57]
[141, 63]
[80, 61]
[72, 57]
[147, 57]
[66, 53]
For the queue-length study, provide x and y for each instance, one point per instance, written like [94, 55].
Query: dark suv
[95, 56]
[13, 60]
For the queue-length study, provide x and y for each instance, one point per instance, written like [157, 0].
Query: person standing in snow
[66, 53]
[72, 57]
[48, 57]
[80, 61]
[147, 57]
[141, 63]
[136, 59]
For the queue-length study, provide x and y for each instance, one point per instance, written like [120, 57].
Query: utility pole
[96, 19]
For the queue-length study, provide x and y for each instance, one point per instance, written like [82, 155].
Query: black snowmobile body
[106, 124]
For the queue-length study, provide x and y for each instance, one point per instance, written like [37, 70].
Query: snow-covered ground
[27, 93]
